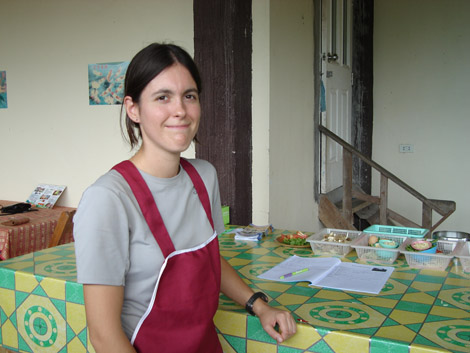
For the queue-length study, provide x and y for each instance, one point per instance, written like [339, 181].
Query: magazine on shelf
[46, 195]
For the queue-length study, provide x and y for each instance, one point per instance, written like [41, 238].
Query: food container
[365, 252]
[463, 254]
[320, 246]
[451, 235]
[446, 250]
[394, 230]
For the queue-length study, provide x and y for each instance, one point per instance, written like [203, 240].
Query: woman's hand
[271, 317]
[234, 287]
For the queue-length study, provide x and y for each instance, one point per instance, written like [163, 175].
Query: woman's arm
[103, 305]
[234, 287]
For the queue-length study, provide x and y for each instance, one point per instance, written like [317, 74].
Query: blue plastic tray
[393, 230]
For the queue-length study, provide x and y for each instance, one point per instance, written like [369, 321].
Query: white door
[336, 78]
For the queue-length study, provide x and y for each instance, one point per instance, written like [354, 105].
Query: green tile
[256, 332]
[365, 331]
[390, 322]
[7, 278]
[3, 318]
[60, 306]
[424, 341]
[385, 311]
[23, 346]
[20, 297]
[69, 333]
[413, 307]
[74, 293]
[429, 279]
[284, 349]
[414, 327]
[380, 345]
[237, 343]
[320, 347]
[82, 336]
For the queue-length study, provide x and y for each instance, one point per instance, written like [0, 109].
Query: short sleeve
[101, 233]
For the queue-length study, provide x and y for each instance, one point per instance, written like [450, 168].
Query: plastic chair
[64, 226]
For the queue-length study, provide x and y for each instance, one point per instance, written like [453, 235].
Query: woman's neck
[166, 166]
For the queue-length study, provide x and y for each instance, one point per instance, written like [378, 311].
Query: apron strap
[200, 188]
[147, 205]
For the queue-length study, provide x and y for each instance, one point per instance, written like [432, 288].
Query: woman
[146, 231]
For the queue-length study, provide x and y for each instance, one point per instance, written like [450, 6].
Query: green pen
[287, 275]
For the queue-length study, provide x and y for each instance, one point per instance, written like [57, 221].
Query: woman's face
[168, 112]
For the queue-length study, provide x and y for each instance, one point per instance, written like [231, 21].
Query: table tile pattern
[41, 306]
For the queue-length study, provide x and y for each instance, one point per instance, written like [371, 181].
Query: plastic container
[400, 231]
[375, 254]
[446, 250]
[463, 254]
[322, 247]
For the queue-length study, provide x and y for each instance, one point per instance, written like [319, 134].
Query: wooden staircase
[338, 208]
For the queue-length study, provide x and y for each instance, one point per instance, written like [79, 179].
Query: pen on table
[287, 275]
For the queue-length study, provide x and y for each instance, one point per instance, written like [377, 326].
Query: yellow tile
[7, 301]
[230, 323]
[433, 273]
[229, 254]
[461, 282]
[239, 262]
[403, 275]
[377, 301]
[9, 335]
[290, 299]
[449, 312]
[20, 265]
[343, 342]
[54, 288]
[274, 286]
[226, 347]
[305, 337]
[426, 286]
[25, 282]
[260, 347]
[422, 298]
[257, 251]
[416, 348]
[76, 346]
[270, 259]
[407, 317]
[76, 316]
[333, 295]
[47, 257]
[401, 333]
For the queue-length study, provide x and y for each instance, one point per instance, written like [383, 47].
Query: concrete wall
[421, 95]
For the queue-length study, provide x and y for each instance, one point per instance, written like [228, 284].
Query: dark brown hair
[143, 68]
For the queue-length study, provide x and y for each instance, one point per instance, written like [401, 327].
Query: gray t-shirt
[114, 245]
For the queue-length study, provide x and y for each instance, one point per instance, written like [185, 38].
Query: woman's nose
[179, 108]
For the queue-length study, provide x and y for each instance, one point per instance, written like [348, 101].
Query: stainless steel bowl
[451, 235]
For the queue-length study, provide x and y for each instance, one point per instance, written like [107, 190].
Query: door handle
[332, 57]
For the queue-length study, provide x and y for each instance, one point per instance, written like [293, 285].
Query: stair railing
[443, 207]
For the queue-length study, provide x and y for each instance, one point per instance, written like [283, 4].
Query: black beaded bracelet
[251, 301]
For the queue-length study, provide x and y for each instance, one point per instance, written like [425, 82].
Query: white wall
[421, 97]
[291, 145]
[49, 133]
[46, 47]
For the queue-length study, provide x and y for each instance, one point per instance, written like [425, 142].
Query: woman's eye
[191, 96]
[162, 98]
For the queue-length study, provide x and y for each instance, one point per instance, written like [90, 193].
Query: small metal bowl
[451, 235]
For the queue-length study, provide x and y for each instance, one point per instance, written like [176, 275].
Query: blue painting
[3, 90]
[106, 83]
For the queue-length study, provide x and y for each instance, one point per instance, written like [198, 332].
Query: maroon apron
[180, 314]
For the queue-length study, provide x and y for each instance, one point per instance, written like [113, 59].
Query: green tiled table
[41, 306]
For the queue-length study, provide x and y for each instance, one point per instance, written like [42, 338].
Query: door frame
[362, 91]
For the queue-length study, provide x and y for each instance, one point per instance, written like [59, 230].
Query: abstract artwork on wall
[3, 90]
[106, 83]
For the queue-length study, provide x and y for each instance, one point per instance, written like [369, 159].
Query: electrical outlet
[406, 148]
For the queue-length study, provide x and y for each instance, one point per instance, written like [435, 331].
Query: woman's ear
[132, 109]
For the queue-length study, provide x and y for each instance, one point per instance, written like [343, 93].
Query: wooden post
[347, 186]
[383, 199]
